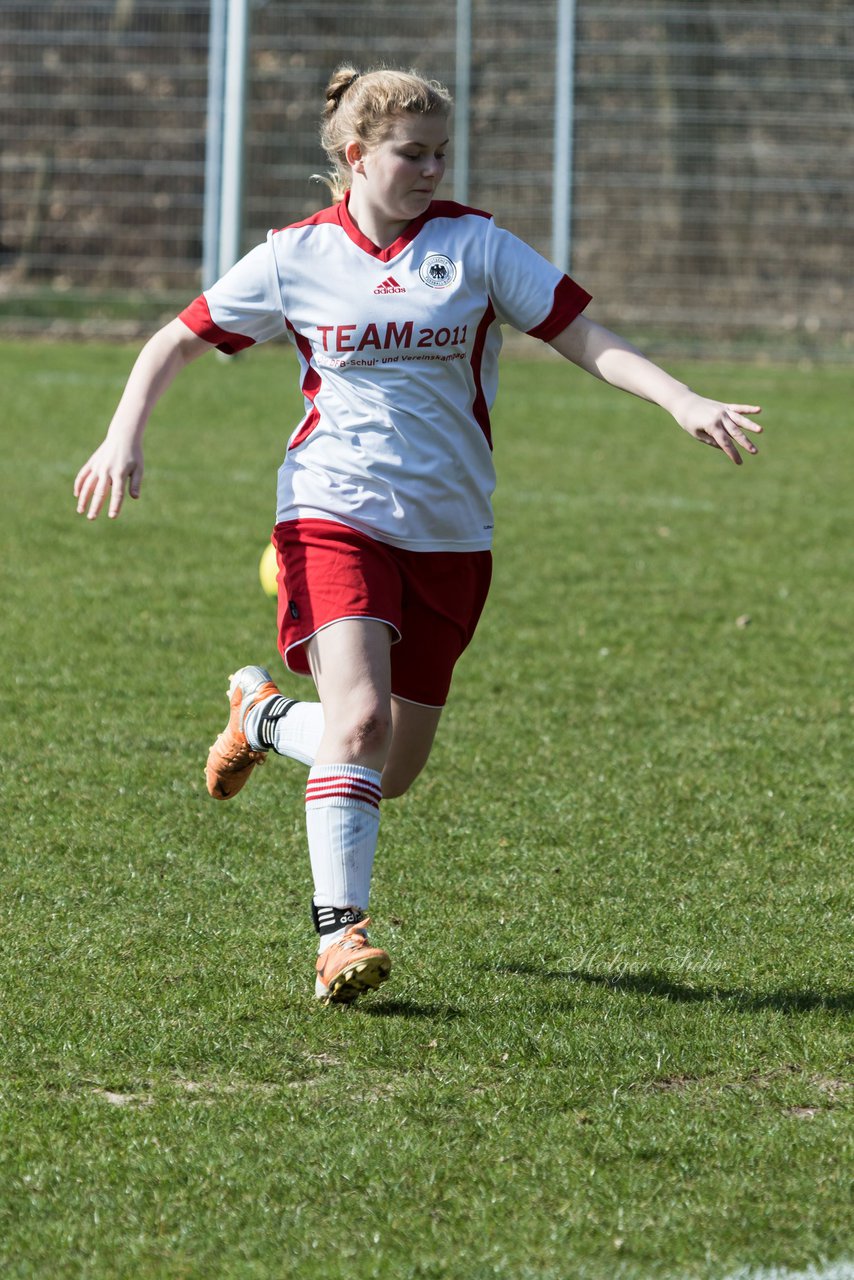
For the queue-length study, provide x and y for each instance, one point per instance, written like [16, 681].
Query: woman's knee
[372, 730]
[362, 730]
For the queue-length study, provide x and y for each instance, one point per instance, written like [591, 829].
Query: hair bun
[342, 80]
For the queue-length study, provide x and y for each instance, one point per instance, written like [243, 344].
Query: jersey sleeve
[243, 307]
[527, 290]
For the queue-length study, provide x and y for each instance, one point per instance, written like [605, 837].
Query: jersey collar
[367, 246]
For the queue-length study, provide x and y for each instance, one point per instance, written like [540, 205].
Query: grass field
[616, 1044]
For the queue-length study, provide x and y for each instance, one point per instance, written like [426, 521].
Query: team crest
[438, 271]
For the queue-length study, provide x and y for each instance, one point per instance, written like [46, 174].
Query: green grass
[616, 1043]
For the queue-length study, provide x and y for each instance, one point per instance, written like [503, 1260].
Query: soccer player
[394, 301]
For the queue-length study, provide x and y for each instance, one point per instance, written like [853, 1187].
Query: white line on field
[652, 502]
[50, 377]
[822, 1271]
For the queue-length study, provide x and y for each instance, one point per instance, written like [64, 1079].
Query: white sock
[342, 817]
[296, 731]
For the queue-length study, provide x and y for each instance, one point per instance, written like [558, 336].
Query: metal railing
[708, 156]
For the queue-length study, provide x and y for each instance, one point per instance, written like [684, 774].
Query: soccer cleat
[350, 967]
[231, 759]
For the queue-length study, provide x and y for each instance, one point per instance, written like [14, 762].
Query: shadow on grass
[648, 983]
[411, 1009]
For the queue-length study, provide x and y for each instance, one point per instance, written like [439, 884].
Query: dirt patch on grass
[133, 1100]
[833, 1088]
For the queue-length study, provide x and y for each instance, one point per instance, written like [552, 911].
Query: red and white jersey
[398, 352]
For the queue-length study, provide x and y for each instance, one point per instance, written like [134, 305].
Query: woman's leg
[413, 730]
[351, 666]
[297, 729]
[363, 722]
[366, 740]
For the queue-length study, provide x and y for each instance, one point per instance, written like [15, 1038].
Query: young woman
[394, 302]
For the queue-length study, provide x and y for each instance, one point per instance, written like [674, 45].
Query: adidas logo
[390, 285]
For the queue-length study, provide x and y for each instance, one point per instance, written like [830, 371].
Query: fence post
[462, 96]
[233, 137]
[213, 141]
[563, 130]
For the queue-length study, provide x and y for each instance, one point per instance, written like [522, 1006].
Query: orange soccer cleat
[231, 759]
[350, 967]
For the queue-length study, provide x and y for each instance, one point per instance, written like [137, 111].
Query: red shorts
[432, 600]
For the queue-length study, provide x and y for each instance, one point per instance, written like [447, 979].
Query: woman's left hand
[720, 425]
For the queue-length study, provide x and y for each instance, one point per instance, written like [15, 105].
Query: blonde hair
[362, 107]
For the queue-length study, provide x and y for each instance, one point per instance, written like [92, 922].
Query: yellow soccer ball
[267, 570]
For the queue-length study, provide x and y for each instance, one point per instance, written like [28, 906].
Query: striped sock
[287, 727]
[342, 817]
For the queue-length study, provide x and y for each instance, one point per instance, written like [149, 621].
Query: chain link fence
[713, 159]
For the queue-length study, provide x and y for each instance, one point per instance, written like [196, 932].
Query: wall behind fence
[713, 178]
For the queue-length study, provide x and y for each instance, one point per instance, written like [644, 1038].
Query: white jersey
[398, 352]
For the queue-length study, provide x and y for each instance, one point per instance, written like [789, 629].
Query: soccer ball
[267, 570]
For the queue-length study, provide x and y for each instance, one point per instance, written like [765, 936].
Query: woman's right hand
[116, 466]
